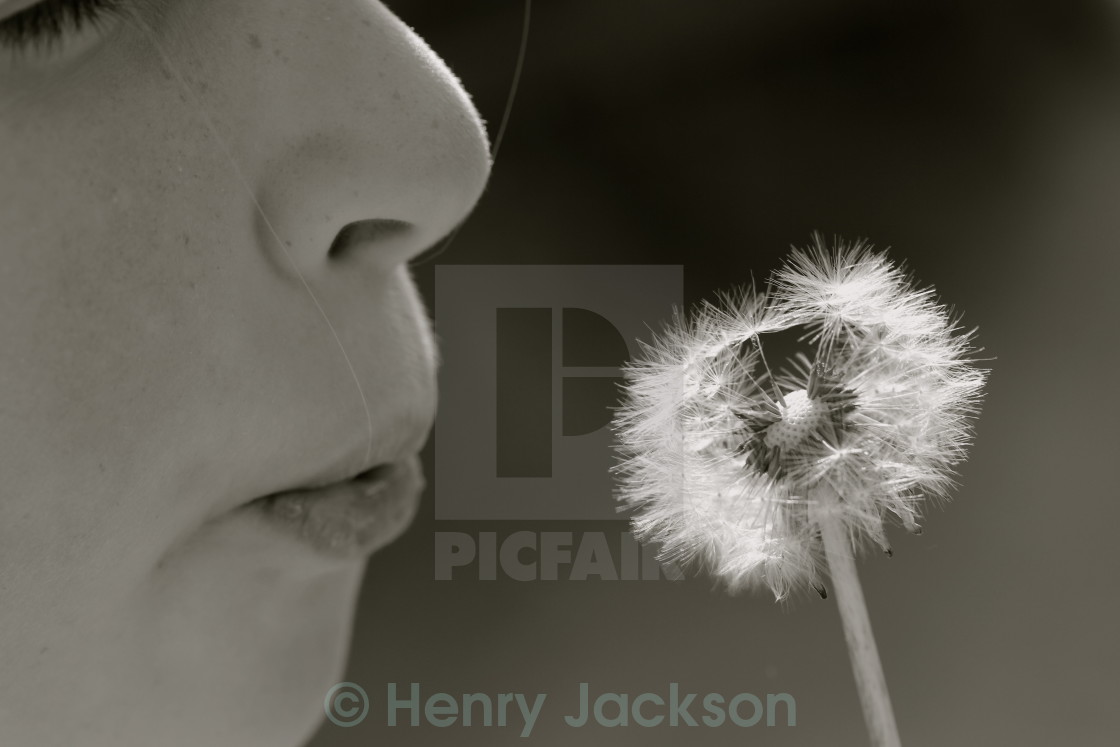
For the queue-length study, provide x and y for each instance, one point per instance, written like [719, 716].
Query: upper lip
[334, 476]
[397, 440]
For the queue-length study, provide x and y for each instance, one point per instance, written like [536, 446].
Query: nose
[361, 150]
[373, 151]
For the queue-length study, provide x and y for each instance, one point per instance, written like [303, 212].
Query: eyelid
[11, 7]
[57, 29]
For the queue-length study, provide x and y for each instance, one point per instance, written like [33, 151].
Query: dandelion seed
[771, 477]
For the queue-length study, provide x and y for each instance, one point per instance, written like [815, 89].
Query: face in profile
[216, 372]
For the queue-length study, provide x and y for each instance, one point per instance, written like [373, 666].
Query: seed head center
[802, 417]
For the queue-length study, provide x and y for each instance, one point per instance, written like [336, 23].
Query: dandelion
[772, 476]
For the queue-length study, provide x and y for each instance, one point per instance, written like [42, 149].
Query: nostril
[366, 232]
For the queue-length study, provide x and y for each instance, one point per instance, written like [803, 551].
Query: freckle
[254, 41]
[366, 23]
[396, 95]
[288, 243]
[435, 124]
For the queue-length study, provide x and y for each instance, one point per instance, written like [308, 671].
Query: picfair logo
[532, 359]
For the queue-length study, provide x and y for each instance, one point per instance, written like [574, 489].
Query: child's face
[169, 188]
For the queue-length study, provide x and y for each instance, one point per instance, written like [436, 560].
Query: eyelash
[47, 23]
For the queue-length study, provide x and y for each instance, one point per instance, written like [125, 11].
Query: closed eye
[46, 24]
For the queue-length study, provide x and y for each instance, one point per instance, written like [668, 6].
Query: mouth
[347, 519]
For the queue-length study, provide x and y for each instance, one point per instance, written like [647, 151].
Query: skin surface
[163, 361]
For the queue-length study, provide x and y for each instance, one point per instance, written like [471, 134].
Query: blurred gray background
[981, 142]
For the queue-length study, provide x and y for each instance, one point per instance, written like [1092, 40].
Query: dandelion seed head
[721, 453]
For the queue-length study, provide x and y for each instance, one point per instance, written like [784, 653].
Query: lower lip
[351, 519]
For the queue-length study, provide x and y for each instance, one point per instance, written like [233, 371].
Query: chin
[253, 646]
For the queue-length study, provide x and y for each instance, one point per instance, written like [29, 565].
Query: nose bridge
[366, 123]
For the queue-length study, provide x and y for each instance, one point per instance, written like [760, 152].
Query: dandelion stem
[870, 682]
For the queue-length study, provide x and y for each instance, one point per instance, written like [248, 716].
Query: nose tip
[390, 156]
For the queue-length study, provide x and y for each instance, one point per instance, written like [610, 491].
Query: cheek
[109, 307]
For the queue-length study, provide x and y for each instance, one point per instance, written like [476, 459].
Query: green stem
[870, 682]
